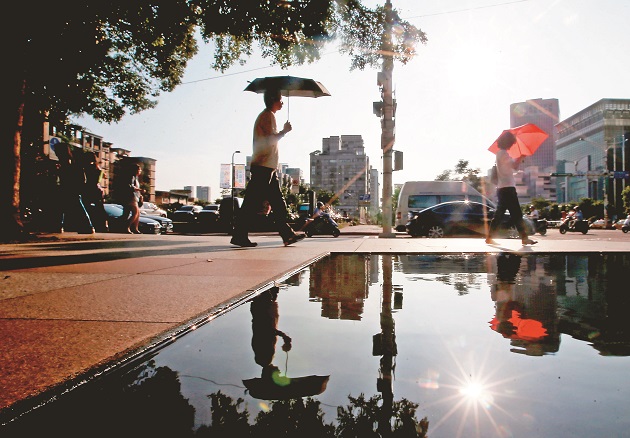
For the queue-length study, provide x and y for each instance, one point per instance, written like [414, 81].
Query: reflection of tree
[147, 403]
[358, 418]
[304, 418]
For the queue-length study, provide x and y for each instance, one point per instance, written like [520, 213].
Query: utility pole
[384, 80]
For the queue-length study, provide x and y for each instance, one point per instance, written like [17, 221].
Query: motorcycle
[625, 228]
[320, 226]
[540, 226]
[570, 224]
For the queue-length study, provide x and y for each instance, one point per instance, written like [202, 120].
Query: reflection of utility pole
[387, 120]
[385, 345]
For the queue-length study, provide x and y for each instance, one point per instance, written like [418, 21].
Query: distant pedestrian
[130, 197]
[506, 190]
[264, 184]
[74, 216]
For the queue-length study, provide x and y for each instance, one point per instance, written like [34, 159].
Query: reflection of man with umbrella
[264, 184]
[272, 385]
[510, 151]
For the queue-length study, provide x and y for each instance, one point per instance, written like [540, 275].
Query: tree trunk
[11, 227]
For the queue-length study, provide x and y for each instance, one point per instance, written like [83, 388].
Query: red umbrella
[528, 138]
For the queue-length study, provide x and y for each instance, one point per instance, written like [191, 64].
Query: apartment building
[343, 168]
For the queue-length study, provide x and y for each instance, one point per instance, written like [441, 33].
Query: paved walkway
[74, 305]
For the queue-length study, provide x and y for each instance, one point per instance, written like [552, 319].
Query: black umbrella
[288, 86]
[280, 387]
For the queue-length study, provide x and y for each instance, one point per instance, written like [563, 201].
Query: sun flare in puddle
[475, 392]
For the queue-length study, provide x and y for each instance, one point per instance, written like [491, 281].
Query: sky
[453, 98]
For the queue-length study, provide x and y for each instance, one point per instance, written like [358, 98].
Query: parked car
[118, 224]
[187, 213]
[152, 210]
[208, 217]
[166, 223]
[456, 218]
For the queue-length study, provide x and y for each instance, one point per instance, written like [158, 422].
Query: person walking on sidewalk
[130, 193]
[71, 183]
[506, 190]
[264, 184]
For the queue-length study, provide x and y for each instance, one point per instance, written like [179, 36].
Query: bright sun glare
[475, 392]
[472, 70]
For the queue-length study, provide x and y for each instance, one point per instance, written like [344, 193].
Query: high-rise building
[203, 193]
[544, 113]
[535, 180]
[343, 168]
[191, 190]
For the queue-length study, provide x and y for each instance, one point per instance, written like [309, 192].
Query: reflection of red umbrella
[528, 138]
[519, 328]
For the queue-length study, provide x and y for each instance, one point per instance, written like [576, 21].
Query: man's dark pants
[263, 186]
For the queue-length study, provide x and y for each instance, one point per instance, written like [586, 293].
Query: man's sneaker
[295, 238]
[245, 243]
[529, 242]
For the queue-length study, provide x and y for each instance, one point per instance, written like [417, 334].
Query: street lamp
[232, 193]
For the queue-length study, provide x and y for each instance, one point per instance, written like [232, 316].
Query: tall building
[535, 179]
[203, 193]
[343, 168]
[544, 113]
[191, 190]
[593, 152]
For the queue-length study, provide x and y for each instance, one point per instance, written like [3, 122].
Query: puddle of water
[477, 345]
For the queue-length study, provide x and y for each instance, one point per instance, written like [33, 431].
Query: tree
[107, 59]
[462, 172]
[327, 197]
[625, 196]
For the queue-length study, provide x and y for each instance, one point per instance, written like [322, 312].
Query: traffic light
[377, 109]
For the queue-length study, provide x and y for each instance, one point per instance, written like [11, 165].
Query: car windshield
[211, 207]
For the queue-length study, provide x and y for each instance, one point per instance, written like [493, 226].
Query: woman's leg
[135, 218]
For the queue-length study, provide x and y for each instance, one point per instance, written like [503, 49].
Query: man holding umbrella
[264, 184]
[506, 189]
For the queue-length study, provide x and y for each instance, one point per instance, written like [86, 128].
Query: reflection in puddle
[469, 345]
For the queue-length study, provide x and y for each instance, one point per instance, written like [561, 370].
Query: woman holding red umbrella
[506, 189]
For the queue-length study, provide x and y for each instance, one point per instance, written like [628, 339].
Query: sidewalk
[75, 305]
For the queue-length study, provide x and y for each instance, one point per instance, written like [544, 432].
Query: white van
[418, 195]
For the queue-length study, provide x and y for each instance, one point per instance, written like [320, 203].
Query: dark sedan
[166, 223]
[187, 213]
[458, 218]
[118, 224]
